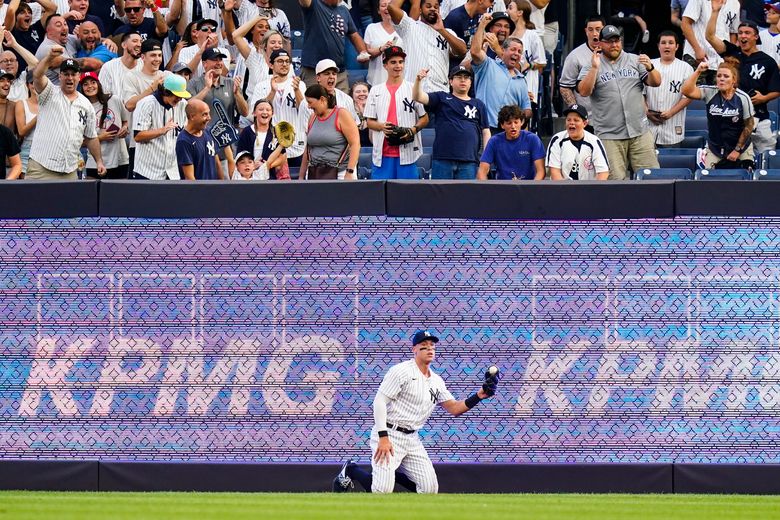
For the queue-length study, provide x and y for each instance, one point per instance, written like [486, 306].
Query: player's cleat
[342, 483]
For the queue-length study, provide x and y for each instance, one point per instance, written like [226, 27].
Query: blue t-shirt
[198, 151]
[106, 11]
[514, 159]
[324, 30]
[459, 126]
[147, 29]
[30, 40]
[463, 25]
[100, 52]
[497, 88]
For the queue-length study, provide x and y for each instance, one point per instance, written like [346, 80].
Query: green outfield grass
[354, 506]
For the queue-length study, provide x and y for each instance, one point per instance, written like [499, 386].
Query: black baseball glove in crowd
[399, 135]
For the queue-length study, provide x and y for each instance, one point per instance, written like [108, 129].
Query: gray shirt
[577, 59]
[43, 51]
[617, 103]
[223, 92]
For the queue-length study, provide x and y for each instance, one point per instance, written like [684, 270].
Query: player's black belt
[399, 428]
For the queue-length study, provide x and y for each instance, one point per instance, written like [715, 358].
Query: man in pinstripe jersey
[406, 398]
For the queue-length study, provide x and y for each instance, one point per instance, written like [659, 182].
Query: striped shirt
[156, 159]
[62, 127]
[665, 96]
[114, 75]
[533, 51]
[408, 112]
[699, 11]
[412, 395]
[277, 18]
[770, 44]
[425, 49]
[577, 162]
[285, 109]
[19, 87]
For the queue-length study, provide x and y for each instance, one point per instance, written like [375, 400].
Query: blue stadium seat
[677, 151]
[766, 175]
[693, 141]
[648, 174]
[296, 39]
[695, 123]
[695, 113]
[697, 104]
[716, 175]
[424, 162]
[677, 161]
[773, 120]
[365, 159]
[354, 75]
[294, 172]
[428, 135]
[770, 160]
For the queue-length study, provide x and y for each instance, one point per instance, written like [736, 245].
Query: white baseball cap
[324, 65]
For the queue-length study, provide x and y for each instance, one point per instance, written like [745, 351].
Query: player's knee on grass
[429, 487]
[382, 487]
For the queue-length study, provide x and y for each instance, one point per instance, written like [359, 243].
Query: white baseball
[492, 370]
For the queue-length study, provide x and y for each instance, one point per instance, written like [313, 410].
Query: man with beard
[499, 82]
[429, 44]
[115, 73]
[577, 60]
[758, 74]
[137, 22]
[91, 45]
[57, 35]
[66, 119]
[10, 63]
[615, 82]
[78, 14]
[28, 34]
[496, 33]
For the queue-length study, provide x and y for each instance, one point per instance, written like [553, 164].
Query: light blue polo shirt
[497, 88]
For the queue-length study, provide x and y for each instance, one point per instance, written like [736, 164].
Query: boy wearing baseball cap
[575, 153]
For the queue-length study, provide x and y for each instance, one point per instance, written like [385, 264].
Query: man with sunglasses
[154, 27]
[206, 36]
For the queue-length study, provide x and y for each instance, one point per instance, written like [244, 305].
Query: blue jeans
[453, 170]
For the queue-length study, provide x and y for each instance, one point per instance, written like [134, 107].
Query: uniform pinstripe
[113, 75]
[577, 164]
[425, 49]
[533, 50]
[61, 128]
[665, 96]
[156, 159]
[408, 112]
[413, 398]
[699, 11]
[277, 18]
[770, 44]
[286, 110]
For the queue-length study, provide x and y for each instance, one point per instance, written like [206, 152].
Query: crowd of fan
[207, 89]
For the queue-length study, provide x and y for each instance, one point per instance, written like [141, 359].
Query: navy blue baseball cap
[454, 71]
[423, 335]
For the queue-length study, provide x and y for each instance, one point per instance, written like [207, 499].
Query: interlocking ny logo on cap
[574, 107]
[427, 334]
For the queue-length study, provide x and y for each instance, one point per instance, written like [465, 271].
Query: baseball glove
[491, 382]
[284, 133]
[399, 135]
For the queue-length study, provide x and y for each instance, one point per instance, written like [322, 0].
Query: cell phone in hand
[112, 128]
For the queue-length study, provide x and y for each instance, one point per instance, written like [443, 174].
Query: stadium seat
[770, 160]
[354, 75]
[693, 141]
[773, 120]
[697, 104]
[648, 174]
[296, 38]
[295, 172]
[424, 162]
[695, 123]
[695, 113]
[677, 161]
[766, 175]
[677, 151]
[365, 160]
[423, 173]
[428, 135]
[716, 175]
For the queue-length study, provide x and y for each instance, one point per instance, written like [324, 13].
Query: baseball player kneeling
[406, 398]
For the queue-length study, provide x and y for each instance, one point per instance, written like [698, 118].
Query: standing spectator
[577, 60]
[430, 44]
[729, 116]
[91, 45]
[666, 106]
[65, 120]
[206, 37]
[157, 121]
[359, 92]
[533, 52]
[259, 141]
[461, 126]
[144, 81]
[615, 82]
[149, 28]
[516, 154]
[196, 148]
[678, 7]
[327, 74]
[109, 12]
[254, 56]
[463, 20]
[770, 37]
[326, 24]
[29, 34]
[57, 35]
[10, 154]
[10, 62]
[379, 36]
[78, 14]
[26, 119]
[116, 73]
[392, 104]
[575, 153]
[111, 128]
[694, 28]
[499, 82]
[332, 139]
[277, 19]
[758, 75]
[502, 27]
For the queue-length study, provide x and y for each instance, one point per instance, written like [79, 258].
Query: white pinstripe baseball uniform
[770, 44]
[278, 20]
[533, 51]
[665, 96]
[156, 159]
[412, 398]
[425, 49]
[408, 112]
[581, 162]
[699, 11]
[285, 109]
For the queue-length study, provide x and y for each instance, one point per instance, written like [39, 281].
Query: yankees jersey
[757, 73]
[285, 109]
[426, 49]
[728, 20]
[770, 44]
[665, 96]
[156, 159]
[577, 60]
[408, 112]
[247, 9]
[533, 51]
[412, 395]
[577, 160]
[200, 152]
[725, 118]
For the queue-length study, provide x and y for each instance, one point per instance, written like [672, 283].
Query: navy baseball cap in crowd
[500, 15]
[6, 74]
[212, 53]
[393, 51]
[460, 70]
[150, 45]
[277, 53]
[752, 25]
[70, 64]
[609, 32]
[423, 335]
[206, 21]
[577, 109]
[181, 67]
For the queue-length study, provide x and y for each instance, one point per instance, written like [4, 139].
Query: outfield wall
[209, 324]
